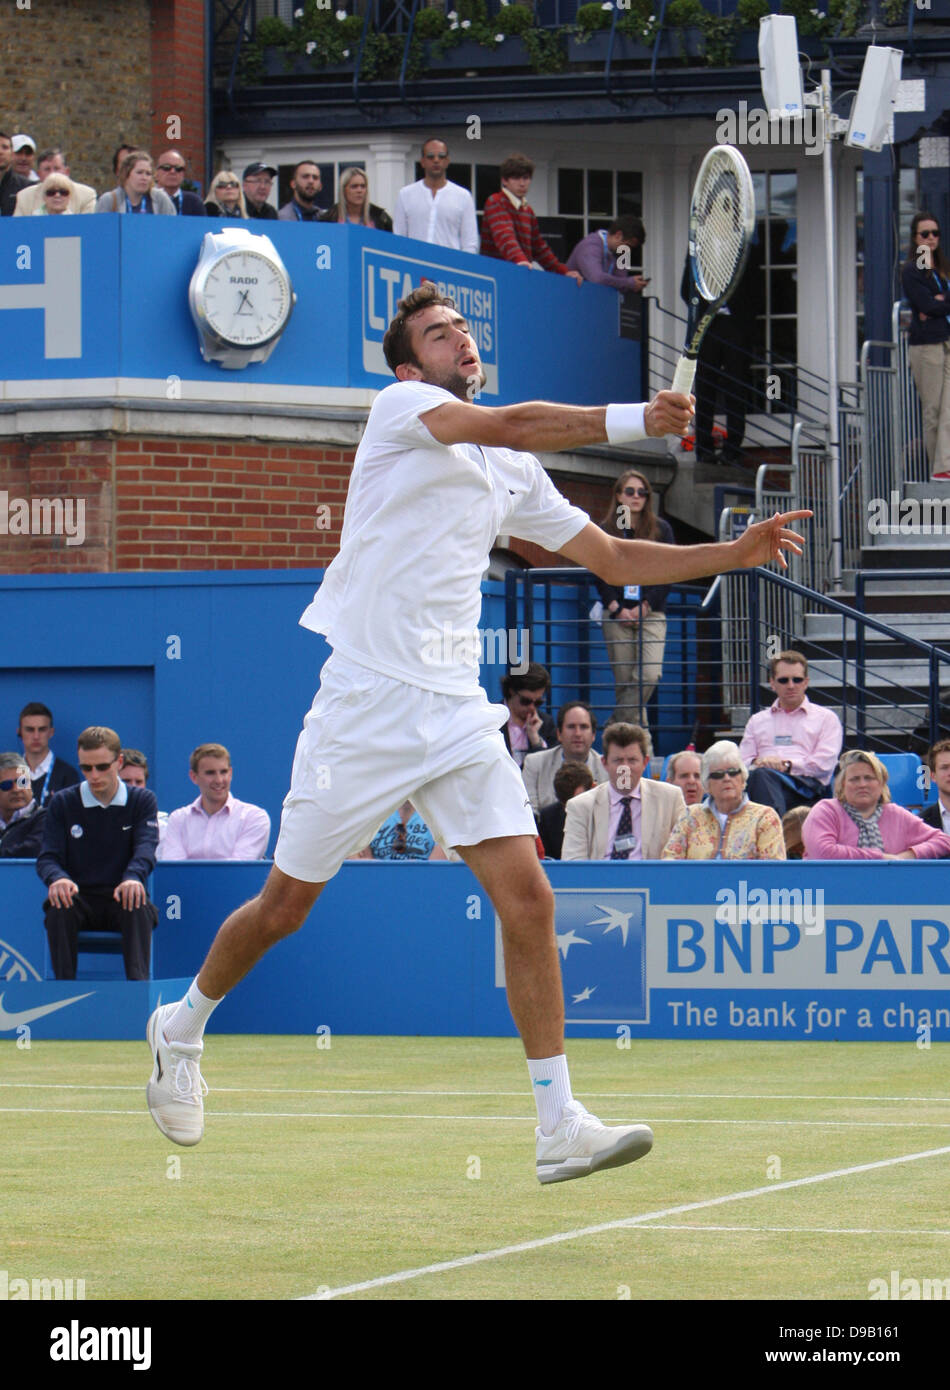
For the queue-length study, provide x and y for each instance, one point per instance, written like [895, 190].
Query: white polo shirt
[403, 595]
[445, 219]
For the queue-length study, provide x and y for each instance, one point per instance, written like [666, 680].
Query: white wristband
[625, 424]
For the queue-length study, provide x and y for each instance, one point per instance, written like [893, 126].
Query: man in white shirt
[400, 712]
[435, 210]
[629, 816]
[215, 825]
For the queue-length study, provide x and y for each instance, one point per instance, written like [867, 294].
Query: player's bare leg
[175, 1092]
[570, 1142]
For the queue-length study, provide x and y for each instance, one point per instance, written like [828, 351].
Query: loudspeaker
[874, 104]
[778, 62]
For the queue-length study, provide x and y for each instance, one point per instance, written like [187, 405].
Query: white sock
[551, 1087]
[187, 1023]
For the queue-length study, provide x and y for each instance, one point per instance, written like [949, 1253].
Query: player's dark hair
[34, 707]
[939, 261]
[396, 345]
[644, 525]
[569, 777]
[565, 710]
[623, 735]
[536, 677]
[517, 166]
[631, 228]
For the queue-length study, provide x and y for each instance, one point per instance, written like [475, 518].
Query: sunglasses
[57, 193]
[229, 183]
[527, 700]
[927, 231]
[172, 168]
[96, 767]
[786, 680]
[724, 772]
[21, 783]
[635, 492]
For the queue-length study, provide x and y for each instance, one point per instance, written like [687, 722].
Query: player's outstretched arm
[541, 427]
[651, 562]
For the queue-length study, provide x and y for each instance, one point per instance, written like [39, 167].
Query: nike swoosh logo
[8, 1020]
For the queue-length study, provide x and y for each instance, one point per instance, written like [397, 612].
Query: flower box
[470, 55]
[594, 49]
[283, 62]
[680, 44]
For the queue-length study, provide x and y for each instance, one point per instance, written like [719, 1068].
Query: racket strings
[721, 235]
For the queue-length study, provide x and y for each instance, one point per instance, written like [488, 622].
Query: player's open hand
[669, 412]
[765, 541]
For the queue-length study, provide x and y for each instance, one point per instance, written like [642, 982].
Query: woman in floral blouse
[726, 824]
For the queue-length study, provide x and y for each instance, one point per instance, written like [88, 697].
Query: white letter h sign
[59, 296]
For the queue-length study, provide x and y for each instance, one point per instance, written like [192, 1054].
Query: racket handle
[684, 375]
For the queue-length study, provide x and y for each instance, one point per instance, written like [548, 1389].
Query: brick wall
[89, 74]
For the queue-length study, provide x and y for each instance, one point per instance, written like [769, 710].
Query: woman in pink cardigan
[861, 821]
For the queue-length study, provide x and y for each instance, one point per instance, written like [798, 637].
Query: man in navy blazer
[169, 174]
[938, 760]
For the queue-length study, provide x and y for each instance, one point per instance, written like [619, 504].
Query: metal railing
[885, 685]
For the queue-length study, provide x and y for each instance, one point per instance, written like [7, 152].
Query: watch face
[245, 298]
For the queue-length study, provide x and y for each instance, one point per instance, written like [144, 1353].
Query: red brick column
[179, 83]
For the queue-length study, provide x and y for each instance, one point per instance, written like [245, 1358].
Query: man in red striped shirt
[510, 230]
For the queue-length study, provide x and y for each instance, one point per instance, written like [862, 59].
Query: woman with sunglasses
[55, 196]
[925, 279]
[634, 618]
[225, 196]
[861, 821]
[726, 824]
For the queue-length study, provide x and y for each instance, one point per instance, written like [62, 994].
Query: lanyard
[607, 256]
[45, 792]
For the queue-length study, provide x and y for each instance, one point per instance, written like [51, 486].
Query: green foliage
[590, 18]
[430, 23]
[515, 20]
[749, 12]
[547, 49]
[273, 33]
[686, 14]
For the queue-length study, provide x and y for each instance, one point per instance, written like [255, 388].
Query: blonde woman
[225, 196]
[137, 191]
[354, 205]
[861, 822]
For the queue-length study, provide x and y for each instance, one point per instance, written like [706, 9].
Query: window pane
[570, 192]
[629, 193]
[461, 173]
[486, 183]
[600, 192]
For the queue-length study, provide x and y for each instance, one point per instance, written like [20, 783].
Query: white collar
[120, 799]
[45, 766]
[518, 203]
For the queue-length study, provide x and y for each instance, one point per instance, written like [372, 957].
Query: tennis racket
[721, 226]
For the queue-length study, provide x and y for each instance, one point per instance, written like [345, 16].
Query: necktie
[624, 827]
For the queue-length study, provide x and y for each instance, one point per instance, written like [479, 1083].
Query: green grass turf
[321, 1168]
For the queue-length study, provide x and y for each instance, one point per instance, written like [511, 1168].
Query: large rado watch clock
[240, 297]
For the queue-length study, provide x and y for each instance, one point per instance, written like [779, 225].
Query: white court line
[519, 1095]
[624, 1222]
[801, 1230]
[659, 1121]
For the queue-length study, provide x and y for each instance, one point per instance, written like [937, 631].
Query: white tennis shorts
[368, 743]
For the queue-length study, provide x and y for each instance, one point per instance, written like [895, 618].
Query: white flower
[346, 53]
[454, 25]
[452, 15]
[298, 14]
[311, 46]
[466, 24]
[341, 14]
[499, 38]
[607, 7]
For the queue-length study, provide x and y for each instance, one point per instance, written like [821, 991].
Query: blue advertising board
[103, 300]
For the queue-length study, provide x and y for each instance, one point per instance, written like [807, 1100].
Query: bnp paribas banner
[813, 951]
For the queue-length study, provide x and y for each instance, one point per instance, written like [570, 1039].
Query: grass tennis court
[326, 1168]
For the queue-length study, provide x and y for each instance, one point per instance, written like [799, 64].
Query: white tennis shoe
[581, 1145]
[176, 1090]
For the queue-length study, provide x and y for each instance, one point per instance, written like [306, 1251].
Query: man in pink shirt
[792, 747]
[216, 825]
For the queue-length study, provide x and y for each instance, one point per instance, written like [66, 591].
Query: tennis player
[435, 480]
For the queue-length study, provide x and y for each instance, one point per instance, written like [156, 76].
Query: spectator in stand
[134, 773]
[634, 620]
[216, 825]
[404, 835]
[10, 181]
[435, 210]
[861, 821]
[685, 771]
[726, 825]
[258, 180]
[354, 205]
[81, 199]
[169, 176]
[225, 197]
[510, 230]
[305, 185]
[21, 820]
[569, 781]
[48, 773]
[628, 817]
[938, 760]
[596, 256]
[925, 279]
[136, 192]
[791, 747]
[576, 727]
[792, 823]
[56, 196]
[120, 153]
[98, 851]
[24, 155]
[527, 730]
